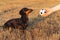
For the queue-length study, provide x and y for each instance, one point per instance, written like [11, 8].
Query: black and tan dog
[20, 23]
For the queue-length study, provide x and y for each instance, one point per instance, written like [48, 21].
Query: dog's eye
[25, 9]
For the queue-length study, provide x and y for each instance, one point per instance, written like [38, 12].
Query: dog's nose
[31, 10]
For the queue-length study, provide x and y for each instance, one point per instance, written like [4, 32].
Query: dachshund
[20, 23]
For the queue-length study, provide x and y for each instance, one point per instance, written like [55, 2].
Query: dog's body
[17, 23]
[20, 23]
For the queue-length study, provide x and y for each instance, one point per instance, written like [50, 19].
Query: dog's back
[14, 23]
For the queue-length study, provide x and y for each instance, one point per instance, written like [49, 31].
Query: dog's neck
[24, 18]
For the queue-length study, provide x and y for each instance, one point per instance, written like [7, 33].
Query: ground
[39, 28]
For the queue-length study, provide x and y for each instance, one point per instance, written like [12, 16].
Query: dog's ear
[22, 11]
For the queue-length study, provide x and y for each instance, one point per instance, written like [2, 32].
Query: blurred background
[39, 28]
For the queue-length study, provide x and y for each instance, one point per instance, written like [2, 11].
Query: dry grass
[39, 28]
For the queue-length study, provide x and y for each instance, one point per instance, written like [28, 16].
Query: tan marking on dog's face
[28, 11]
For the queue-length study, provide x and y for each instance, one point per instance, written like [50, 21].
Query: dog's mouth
[29, 11]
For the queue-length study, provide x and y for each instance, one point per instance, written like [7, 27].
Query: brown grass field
[39, 28]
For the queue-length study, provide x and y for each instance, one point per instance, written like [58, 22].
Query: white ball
[42, 11]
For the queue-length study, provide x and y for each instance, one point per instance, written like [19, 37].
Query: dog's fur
[20, 23]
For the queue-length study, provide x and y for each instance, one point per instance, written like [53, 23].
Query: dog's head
[25, 11]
